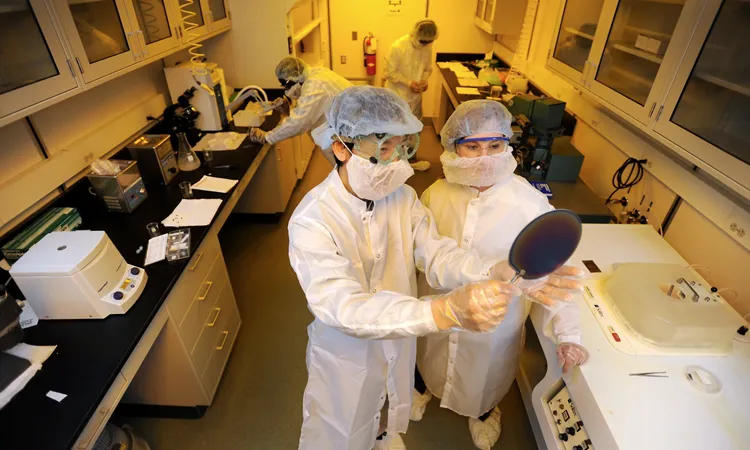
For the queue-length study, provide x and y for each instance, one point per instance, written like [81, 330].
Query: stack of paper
[468, 82]
[214, 184]
[466, 75]
[193, 213]
[468, 91]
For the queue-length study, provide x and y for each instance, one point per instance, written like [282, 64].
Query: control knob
[563, 437]
[571, 431]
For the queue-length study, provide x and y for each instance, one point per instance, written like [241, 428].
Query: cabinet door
[218, 12]
[644, 45]
[193, 17]
[34, 66]
[479, 14]
[707, 110]
[100, 34]
[577, 30]
[154, 26]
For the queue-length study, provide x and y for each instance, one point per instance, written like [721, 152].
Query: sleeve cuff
[429, 326]
[572, 338]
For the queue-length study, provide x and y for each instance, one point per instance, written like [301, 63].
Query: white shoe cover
[421, 166]
[390, 443]
[419, 404]
[486, 433]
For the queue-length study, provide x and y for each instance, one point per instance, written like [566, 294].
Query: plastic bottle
[187, 160]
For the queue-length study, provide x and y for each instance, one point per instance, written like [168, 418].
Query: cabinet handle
[216, 317]
[70, 67]
[661, 108]
[208, 289]
[223, 341]
[129, 35]
[197, 261]
[144, 52]
[653, 105]
[80, 66]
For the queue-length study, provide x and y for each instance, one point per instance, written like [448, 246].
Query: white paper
[214, 184]
[193, 213]
[35, 353]
[489, 55]
[28, 317]
[472, 83]
[468, 91]
[444, 65]
[218, 142]
[157, 249]
[56, 396]
[466, 76]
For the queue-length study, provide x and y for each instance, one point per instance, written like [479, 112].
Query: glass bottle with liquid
[187, 160]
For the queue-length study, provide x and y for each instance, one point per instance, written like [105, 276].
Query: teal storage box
[54, 219]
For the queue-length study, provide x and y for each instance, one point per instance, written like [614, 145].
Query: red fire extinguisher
[370, 47]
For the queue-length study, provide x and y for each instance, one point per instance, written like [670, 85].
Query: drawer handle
[208, 289]
[216, 317]
[197, 261]
[223, 341]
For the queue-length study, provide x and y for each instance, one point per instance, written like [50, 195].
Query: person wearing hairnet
[313, 88]
[484, 206]
[355, 242]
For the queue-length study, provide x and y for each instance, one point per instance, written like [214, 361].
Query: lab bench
[169, 349]
[575, 196]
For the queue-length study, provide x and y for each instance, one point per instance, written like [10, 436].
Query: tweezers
[650, 374]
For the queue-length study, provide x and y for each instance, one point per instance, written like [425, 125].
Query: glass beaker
[187, 160]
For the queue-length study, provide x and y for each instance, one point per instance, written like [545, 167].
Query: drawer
[212, 327]
[184, 290]
[103, 412]
[203, 302]
[221, 349]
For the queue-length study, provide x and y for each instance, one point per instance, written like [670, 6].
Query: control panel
[570, 430]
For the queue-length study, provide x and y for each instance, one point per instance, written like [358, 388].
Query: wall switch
[343, 59]
[354, 36]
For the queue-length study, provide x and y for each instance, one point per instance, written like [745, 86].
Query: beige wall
[97, 121]
[698, 231]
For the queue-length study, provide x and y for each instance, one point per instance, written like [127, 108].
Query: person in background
[484, 206]
[355, 242]
[408, 67]
[313, 88]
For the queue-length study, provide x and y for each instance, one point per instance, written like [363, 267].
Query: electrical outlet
[355, 36]
[343, 59]
[738, 226]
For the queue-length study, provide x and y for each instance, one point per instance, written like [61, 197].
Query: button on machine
[118, 295]
[135, 271]
[567, 422]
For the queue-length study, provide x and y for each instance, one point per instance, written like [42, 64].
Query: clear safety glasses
[386, 148]
[473, 147]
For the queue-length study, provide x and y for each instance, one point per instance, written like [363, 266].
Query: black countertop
[90, 353]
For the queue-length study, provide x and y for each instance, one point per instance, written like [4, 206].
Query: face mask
[376, 181]
[481, 171]
[294, 92]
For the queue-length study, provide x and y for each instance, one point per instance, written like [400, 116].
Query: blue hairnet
[474, 117]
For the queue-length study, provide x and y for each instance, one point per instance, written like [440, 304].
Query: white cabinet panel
[34, 66]
[154, 24]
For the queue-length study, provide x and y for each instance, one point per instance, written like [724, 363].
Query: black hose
[634, 175]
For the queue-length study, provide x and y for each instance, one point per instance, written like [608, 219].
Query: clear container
[187, 160]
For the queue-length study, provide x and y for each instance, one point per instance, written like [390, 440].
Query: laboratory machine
[77, 275]
[208, 97]
[667, 367]
[120, 187]
[156, 158]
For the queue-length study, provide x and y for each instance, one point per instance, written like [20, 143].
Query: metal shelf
[639, 53]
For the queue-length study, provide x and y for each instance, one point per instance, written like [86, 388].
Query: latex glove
[257, 136]
[270, 106]
[423, 85]
[415, 87]
[548, 290]
[570, 355]
[475, 307]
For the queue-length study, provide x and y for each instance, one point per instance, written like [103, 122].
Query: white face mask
[294, 92]
[376, 181]
[481, 171]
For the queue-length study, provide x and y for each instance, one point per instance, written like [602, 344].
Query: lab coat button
[378, 255]
[374, 290]
[466, 240]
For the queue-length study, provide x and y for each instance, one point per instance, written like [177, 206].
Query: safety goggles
[286, 85]
[385, 148]
[482, 145]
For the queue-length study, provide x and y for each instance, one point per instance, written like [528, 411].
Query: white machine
[210, 95]
[666, 370]
[77, 275]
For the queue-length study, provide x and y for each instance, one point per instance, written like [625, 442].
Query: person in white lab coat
[355, 242]
[409, 64]
[313, 88]
[484, 206]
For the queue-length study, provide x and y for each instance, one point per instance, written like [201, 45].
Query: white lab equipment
[77, 275]
[255, 112]
[212, 106]
[620, 406]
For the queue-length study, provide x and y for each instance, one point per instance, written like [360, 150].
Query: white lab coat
[472, 372]
[318, 89]
[358, 271]
[407, 62]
